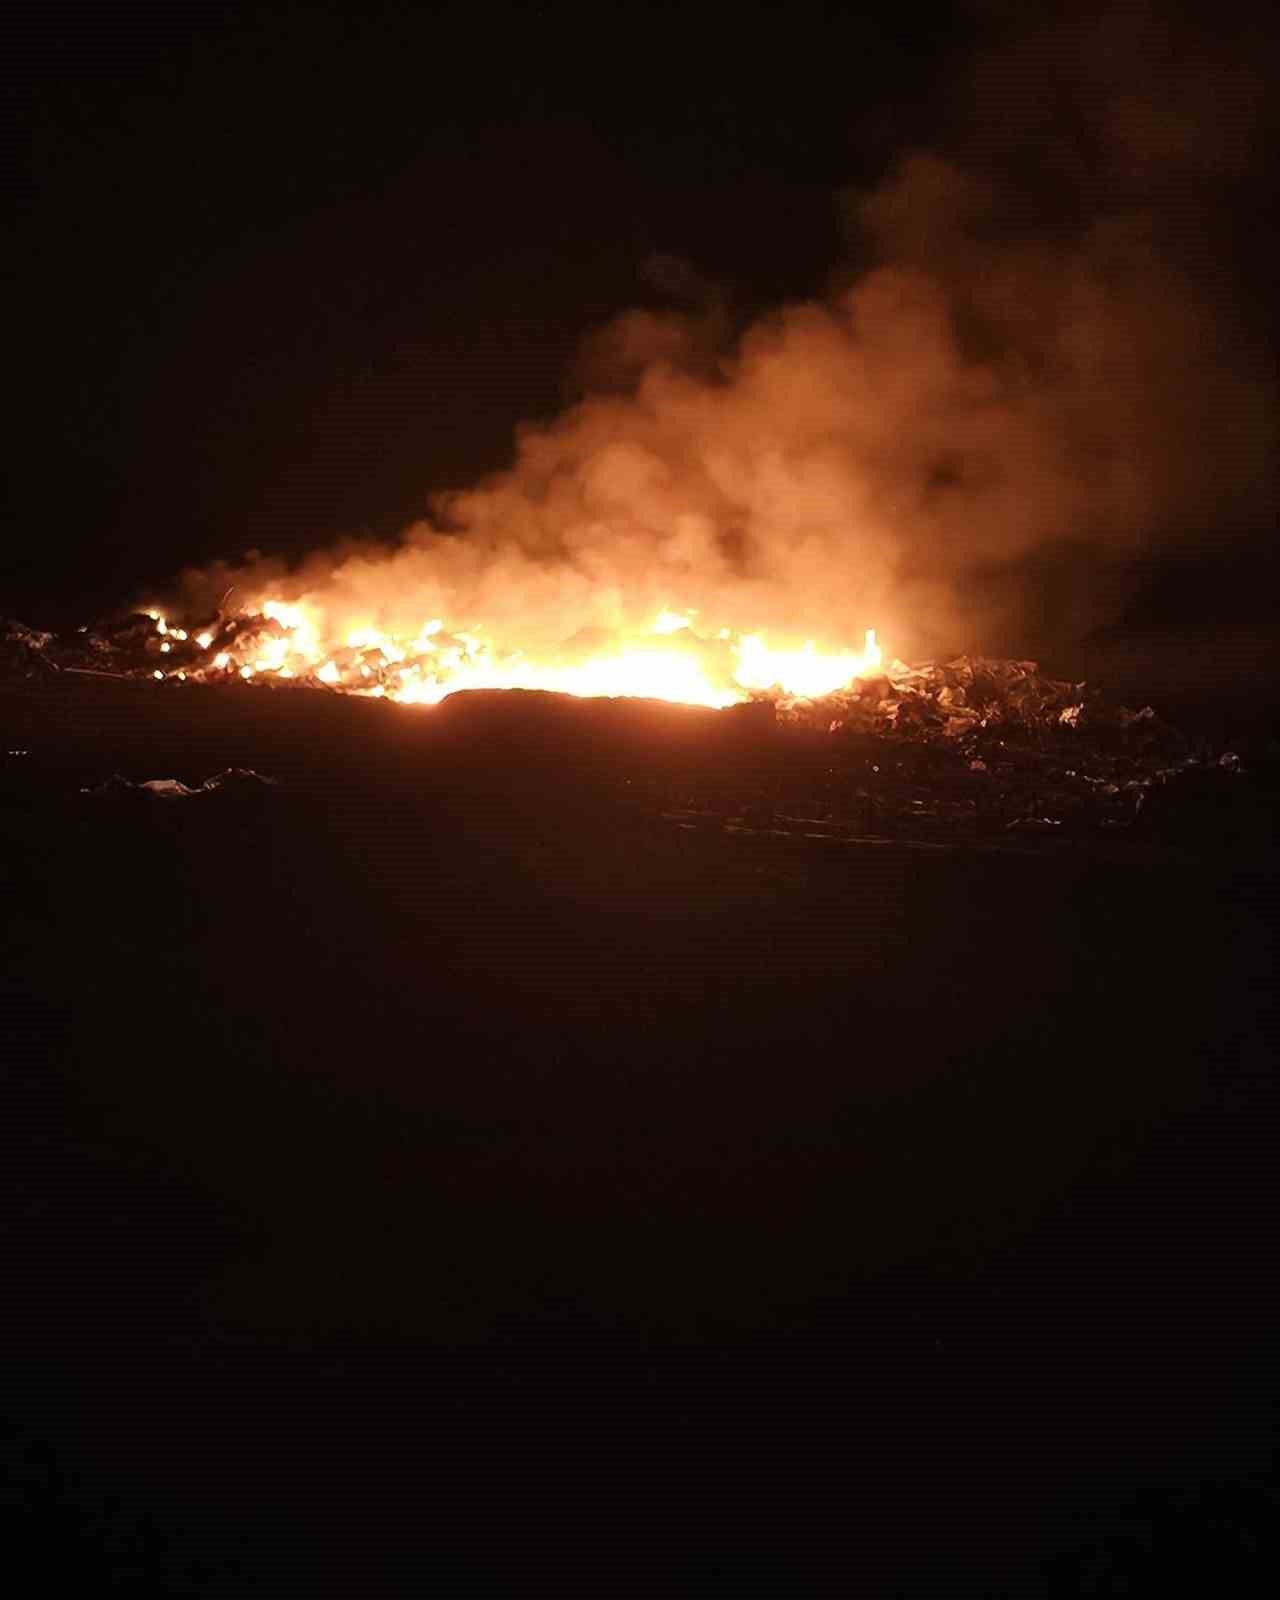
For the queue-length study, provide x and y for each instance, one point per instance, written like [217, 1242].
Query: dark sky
[278, 273]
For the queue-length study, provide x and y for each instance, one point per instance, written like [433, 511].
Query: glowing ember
[668, 661]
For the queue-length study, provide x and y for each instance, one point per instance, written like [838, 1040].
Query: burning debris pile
[282, 643]
[973, 749]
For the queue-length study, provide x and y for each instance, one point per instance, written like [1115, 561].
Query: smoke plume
[1048, 365]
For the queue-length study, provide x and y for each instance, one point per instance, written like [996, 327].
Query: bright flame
[649, 674]
[804, 673]
[669, 660]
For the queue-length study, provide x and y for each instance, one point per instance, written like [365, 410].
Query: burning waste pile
[941, 751]
[278, 644]
[843, 691]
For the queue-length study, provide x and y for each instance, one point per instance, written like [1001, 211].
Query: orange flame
[669, 661]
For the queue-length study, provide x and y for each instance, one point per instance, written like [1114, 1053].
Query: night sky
[279, 273]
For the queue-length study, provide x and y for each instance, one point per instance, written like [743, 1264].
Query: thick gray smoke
[1046, 369]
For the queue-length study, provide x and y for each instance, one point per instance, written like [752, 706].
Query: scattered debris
[235, 780]
[24, 651]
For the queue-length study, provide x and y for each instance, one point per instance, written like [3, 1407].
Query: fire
[669, 660]
[804, 673]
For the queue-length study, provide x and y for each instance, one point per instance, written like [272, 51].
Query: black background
[281, 272]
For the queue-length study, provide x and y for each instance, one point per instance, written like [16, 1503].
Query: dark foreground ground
[439, 1172]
